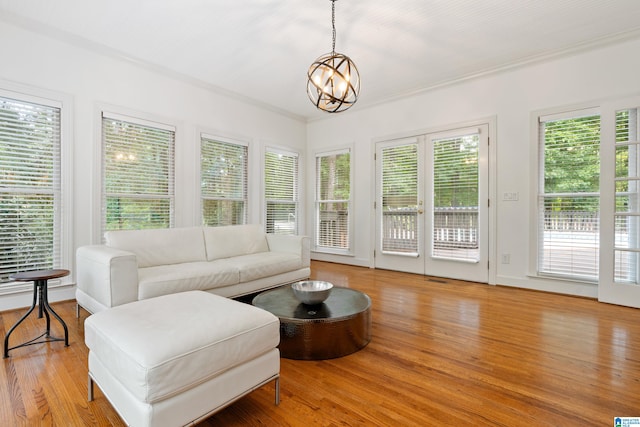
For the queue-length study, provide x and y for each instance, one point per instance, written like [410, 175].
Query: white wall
[91, 80]
[509, 96]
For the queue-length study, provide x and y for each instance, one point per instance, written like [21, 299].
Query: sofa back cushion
[233, 240]
[160, 246]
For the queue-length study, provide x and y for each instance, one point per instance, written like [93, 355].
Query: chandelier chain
[333, 25]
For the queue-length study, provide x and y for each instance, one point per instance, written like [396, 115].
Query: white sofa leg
[277, 390]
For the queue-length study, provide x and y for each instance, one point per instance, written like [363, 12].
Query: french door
[620, 203]
[432, 204]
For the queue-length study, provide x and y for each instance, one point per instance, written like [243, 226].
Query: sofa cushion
[163, 346]
[265, 264]
[191, 276]
[233, 240]
[160, 246]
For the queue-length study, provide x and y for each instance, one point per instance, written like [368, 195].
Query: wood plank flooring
[443, 352]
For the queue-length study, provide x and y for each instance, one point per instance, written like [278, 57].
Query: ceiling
[260, 50]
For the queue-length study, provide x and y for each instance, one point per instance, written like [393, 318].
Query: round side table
[40, 298]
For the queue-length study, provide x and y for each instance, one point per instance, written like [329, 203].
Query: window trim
[66, 208]
[350, 251]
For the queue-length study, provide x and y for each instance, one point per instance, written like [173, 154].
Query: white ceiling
[261, 49]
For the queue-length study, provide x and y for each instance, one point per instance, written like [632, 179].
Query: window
[30, 186]
[568, 196]
[281, 191]
[138, 173]
[333, 200]
[223, 182]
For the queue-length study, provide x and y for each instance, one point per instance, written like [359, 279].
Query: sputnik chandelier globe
[333, 81]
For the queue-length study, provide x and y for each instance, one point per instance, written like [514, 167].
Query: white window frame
[229, 141]
[296, 190]
[537, 118]
[64, 210]
[349, 250]
[141, 120]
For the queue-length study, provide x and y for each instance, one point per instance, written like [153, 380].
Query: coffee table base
[324, 338]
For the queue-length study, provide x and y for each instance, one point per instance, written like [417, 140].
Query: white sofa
[229, 261]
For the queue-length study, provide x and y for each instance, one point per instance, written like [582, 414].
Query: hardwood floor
[443, 352]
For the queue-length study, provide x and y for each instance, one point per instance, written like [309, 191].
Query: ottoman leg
[277, 385]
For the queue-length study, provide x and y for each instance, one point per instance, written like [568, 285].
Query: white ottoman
[176, 359]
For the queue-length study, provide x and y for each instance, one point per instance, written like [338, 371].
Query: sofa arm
[298, 245]
[108, 275]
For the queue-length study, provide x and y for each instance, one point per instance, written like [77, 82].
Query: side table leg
[6, 337]
[47, 308]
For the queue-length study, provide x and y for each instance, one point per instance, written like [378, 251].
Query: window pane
[138, 175]
[455, 198]
[333, 197]
[222, 212]
[223, 182]
[281, 192]
[570, 236]
[569, 197]
[126, 213]
[281, 217]
[400, 199]
[29, 186]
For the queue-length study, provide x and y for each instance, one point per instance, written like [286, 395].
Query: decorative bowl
[311, 292]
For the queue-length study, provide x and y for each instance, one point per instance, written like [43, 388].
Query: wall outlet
[510, 196]
[506, 258]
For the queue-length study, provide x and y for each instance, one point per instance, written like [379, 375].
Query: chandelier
[333, 81]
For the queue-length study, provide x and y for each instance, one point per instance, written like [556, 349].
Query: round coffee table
[339, 326]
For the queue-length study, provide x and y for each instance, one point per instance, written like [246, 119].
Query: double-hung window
[223, 181]
[281, 191]
[333, 201]
[30, 186]
[138, 173]
[569, 195]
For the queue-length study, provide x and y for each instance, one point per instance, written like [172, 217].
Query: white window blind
[455, 198]
[138, 174]
[30, 189]
[627, 210]
[333, 200]
[281, 191]
[400, 199]
[223, 182]
[568, 198]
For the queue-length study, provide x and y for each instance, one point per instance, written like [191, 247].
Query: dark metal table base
[41, 299]
[338, 327]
